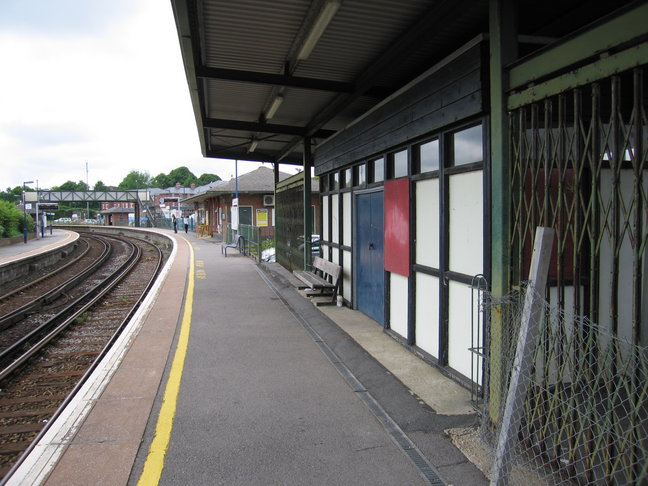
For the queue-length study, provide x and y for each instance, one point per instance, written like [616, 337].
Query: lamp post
[25, 211]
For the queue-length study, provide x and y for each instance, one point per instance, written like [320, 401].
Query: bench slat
[327, 267]
[313, 281]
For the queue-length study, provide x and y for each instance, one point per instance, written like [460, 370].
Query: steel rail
[94, 294]
[20, 313]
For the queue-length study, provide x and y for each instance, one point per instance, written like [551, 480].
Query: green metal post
[308, 218]
[503, 50]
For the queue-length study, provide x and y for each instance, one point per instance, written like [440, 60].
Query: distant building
[214, 206]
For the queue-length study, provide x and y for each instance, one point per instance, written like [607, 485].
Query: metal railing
[256, 239]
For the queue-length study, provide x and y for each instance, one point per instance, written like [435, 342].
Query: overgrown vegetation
[11, 220]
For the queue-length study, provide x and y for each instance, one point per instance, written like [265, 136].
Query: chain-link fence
[584, 418]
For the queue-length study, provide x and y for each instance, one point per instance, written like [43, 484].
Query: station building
[443, 133]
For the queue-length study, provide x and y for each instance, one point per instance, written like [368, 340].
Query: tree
[182, 175]
[71, 186]
[135, 180]
[11, 220]
[161, 181]
[207, 178]
[100, 186]
[12, 195]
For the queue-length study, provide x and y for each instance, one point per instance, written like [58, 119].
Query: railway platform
[20, 251]
[229, 375]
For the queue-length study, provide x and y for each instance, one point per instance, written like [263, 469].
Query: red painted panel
[397, 226]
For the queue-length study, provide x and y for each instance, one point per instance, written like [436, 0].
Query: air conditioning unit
[268, 200]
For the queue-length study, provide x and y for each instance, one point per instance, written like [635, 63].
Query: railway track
[43, 365]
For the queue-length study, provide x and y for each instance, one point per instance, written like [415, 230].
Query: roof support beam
[273, 79]
[262, 127]
[286, 80]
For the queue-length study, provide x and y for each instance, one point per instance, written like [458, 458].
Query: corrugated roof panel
[358, 34]
[237, 101]
[251, 34]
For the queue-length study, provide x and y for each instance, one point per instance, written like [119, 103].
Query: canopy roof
[265, 74]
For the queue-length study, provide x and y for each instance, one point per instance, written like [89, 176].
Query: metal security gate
[289, 204]
[578, 164]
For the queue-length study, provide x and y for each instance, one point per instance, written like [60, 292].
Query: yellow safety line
[160, 444]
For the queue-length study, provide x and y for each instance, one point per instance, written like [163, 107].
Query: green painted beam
[503, 50]
[601, 38]
[603, 68]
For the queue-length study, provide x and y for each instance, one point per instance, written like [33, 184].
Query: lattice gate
[579, 165]
[289, 204]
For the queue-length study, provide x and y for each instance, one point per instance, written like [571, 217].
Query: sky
[96, 82]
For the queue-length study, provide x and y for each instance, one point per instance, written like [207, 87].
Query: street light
[25, 211]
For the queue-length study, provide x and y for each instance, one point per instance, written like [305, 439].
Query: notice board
[397, 226]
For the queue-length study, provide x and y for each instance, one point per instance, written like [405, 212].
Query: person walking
[185, 220]
[175, 223]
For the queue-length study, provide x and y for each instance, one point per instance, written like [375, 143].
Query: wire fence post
[520, 375]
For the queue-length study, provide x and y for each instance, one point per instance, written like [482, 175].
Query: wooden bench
[318, 279]
[237, 243]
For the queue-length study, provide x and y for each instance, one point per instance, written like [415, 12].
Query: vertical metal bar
[523, 214]
[617, 240]
[444, 224]
[638, 151]
[637, 274]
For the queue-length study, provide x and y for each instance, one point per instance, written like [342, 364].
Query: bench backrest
[237, 239]
[327, 267]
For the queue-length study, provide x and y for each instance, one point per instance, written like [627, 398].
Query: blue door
[370, 273]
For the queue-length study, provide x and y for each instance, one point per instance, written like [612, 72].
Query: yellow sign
[262, 217]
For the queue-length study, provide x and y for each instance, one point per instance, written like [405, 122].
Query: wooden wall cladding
[445, 96]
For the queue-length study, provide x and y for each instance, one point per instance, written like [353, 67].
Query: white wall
[427, 223]
[466, 223]
[459, 327]
[346, 219]
[325, 218]
[335, 218]
[346, 275]
[398, 304]
[427, 313]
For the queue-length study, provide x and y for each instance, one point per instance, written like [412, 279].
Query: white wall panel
[466, 223]
[335, 218]
[346, 219]
[346, 275]
[459, 327]
[625, 256]
[427, 223]
[325, 252]
[398, 304]
[325, 218]
[335, 258]
[427, 313]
